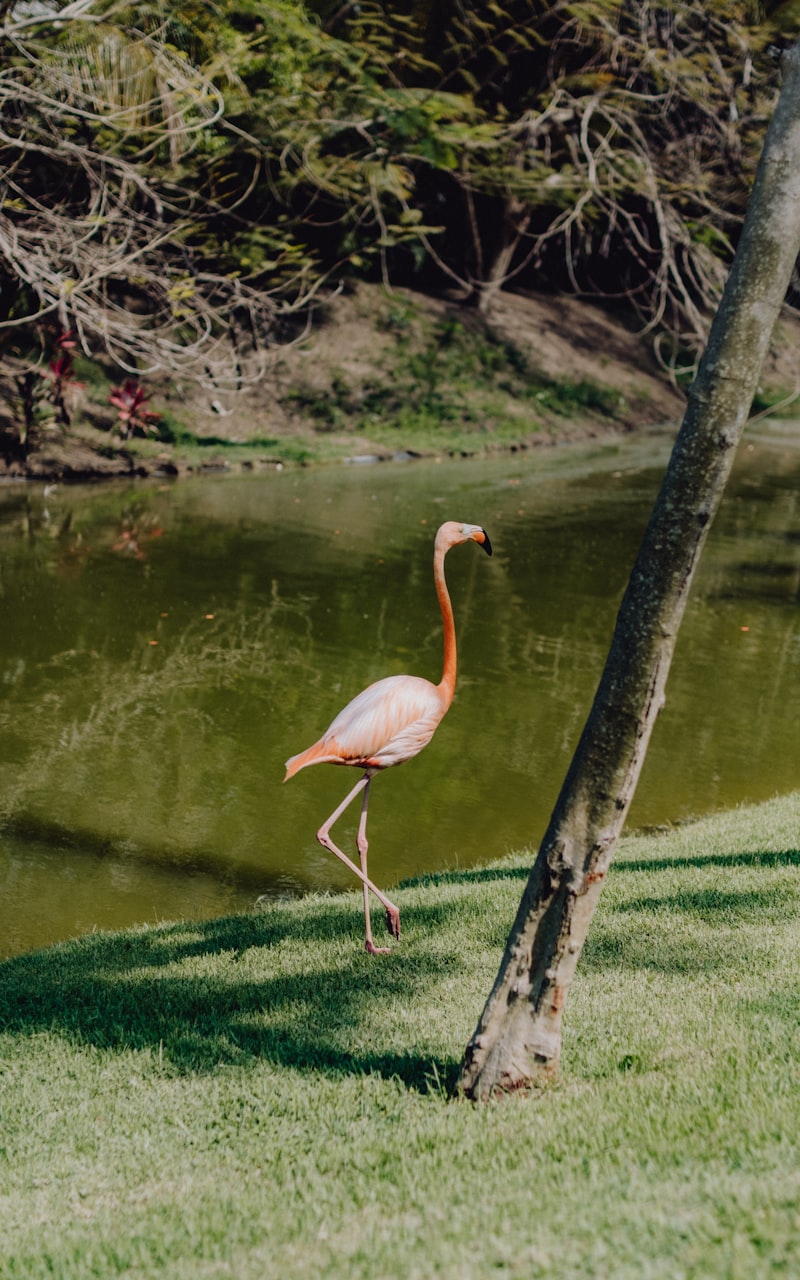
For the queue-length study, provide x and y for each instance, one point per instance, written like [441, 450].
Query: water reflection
[164, 649]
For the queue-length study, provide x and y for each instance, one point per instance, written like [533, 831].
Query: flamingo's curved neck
[447, 684]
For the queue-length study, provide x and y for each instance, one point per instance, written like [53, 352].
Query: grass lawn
[256, 1097]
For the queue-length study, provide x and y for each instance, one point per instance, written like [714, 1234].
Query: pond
[165, 648]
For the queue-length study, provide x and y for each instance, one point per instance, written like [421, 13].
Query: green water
[163, 650]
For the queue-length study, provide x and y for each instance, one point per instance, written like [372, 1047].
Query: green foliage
[215, 166]
[608, 146]
[566, 397]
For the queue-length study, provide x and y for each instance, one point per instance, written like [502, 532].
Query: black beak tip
[486, 544]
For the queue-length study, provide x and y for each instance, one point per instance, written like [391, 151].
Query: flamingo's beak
[485, 543]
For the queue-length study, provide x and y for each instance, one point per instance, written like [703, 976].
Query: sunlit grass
[256, 1097]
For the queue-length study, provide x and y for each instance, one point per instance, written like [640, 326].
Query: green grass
[255, 1097]
[197, 452]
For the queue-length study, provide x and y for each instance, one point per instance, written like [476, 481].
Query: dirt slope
[358, 342]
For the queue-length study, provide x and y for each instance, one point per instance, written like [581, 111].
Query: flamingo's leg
[363, 845]
[324, 837]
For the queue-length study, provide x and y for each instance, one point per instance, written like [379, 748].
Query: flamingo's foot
[372, 950]
[393, 921]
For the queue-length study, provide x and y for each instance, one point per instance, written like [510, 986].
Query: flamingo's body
[385, 724]
[389, 722]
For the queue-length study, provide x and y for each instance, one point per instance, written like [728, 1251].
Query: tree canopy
[179, 186]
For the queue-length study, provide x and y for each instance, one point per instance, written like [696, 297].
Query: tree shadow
[152, 990]
[651, 946]
[471, 875]
[482, 875]
[127, 992]
[609, 948]
[754, 858]
[717, 906]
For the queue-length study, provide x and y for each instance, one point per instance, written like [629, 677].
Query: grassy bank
[380, 374]
[256, 1097]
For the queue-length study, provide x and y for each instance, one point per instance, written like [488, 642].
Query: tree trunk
[514, 225]
[518, 1038]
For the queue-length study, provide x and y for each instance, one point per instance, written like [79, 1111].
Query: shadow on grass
[756, 858]
[478, 875]
[717, 906]
[661, 944]
[199, 996]
[473, 875]
[127, 992]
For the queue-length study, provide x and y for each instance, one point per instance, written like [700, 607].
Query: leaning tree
[518, 1038]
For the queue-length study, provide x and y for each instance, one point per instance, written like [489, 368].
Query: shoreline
[392, 376]
[48, 470]
[381, 376]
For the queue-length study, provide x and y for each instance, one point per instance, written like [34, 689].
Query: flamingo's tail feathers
[322, 752]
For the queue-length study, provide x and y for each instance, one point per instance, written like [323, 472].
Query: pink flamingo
[389, 722]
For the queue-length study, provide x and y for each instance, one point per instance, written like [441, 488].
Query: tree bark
[518, 1038]
[514, 225]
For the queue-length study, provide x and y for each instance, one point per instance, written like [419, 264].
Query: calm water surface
[164, 648]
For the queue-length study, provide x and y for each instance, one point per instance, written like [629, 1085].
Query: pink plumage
[385, 724]
[388, 722]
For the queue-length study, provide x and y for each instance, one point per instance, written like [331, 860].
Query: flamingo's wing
[385, 724]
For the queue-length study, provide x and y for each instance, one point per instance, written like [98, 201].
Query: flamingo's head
[451, 534]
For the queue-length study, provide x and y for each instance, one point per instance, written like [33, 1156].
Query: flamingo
[387, 723]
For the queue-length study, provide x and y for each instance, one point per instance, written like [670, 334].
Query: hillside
[381, 374]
